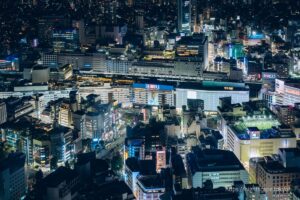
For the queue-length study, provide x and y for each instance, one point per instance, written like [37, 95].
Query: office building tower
[12, 177]
[61, 143]
[41, 151]
[65, 115]
[193, 48]
[3, 112]
[65, 40]
[184, 16]
[46, 24]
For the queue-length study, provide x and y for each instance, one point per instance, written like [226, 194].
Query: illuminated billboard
[269, 75]
[191, 94]
[153, 99]
[152, 86]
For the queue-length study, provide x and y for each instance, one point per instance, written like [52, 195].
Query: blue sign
[152, 86]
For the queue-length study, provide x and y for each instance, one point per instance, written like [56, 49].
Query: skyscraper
[184, 16]
[3, 112]
[65, 40]
[12, 176]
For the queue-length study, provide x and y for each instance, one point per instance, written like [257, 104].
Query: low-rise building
[275, 174]
[150, 187]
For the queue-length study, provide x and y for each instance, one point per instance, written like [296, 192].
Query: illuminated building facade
[10, 63]
[287, 93]
[193, 47]
[252, 130]
[65, 40]
[220, 166]
[153, 94]
[64, 115]
[235, 51]
[41, 151]
[62, 73]
[184, 16]
[149, 187]
[3, 113]
[107, 93]
[210, 92]
[61, 143]
[258, 136]
[135, 148]
[161, 158]
[275, 173]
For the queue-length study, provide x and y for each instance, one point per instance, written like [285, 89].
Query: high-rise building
[65, 115]
[3, 113]
[41, 151]
[78, 119]
[65, 40]
[12, 176]
[46, 25]
[193, 48]
[61, 143]
[161, 158]
[184, 16]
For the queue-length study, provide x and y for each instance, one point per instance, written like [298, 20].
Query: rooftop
[150, 182]
[268, 126]
[196, 39]
[214, 85]
[59, 175]
[206, 160]
[110, 190]
[275, 167]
